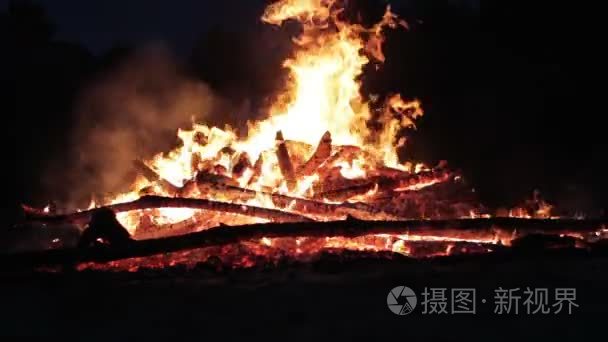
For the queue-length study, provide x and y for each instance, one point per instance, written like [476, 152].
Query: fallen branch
[147, 202]
[224, 235]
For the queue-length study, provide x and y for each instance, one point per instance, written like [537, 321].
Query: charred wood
[224, 235]
[257, 170]
[341, 189]
[147, 202]
[297, 204]
[285, 162]
[343, 152]
[204, 178]
[242, 163]
[320, 155]
[152, 176]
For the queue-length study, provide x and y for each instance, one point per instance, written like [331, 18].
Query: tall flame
[324, 91]
[323, 95]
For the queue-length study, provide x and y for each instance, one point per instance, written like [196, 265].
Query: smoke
[132, 111]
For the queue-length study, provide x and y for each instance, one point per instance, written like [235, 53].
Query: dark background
[511, 89]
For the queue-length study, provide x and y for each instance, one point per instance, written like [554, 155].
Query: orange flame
[323, 95]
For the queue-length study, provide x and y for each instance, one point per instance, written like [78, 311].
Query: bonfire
[321, 172]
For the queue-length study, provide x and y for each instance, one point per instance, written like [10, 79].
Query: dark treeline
[504, 85]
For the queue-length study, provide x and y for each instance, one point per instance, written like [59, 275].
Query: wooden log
[420, 180]
[190, 189]
[200, 138]
[149, 230]
[390, 172]
[195, 162]
[451, 198]
[224, 235]
[343, 152]
[242, 163]
[204, 178]
[199, 221]
[341, 189]
[257, 170]
[153, 176]
[296, 204]
[147, 202]
[320, 155]
[285, 162]
[450, 188]
[298, 152]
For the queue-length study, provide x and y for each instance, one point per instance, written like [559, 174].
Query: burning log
[190, 187]
[301, 205]
[298, 151]
[195, 161]
[320, 155]
[227, 150]
[242, 164]
[345, 152]
[542, 242]
[205, 178]
[152, 176]
[200, 138]
[224, 235]
[452, 190]
[147, 229]
[450, 198]
[341, 189]
[285, 162]
[147, 202]
[390, 172]
[257, 170]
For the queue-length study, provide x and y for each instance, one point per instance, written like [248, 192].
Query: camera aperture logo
[401, 300]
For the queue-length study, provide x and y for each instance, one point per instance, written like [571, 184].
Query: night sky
[101, 24]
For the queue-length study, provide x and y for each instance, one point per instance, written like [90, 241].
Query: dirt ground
[329, 299]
